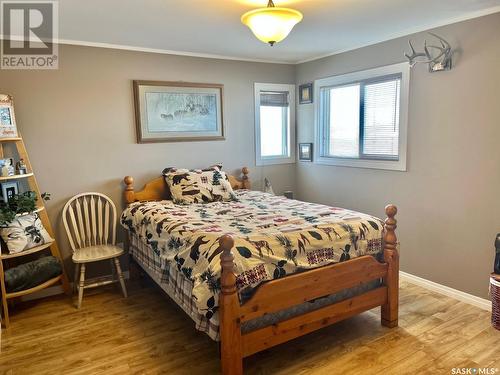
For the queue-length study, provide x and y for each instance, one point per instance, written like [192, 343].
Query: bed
[262, 270]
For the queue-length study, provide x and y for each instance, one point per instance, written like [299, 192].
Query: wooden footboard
[295, 289]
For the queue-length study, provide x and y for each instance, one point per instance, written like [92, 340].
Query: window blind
[274, 99]
[381, 118]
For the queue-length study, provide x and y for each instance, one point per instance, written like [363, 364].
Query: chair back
[90, 220]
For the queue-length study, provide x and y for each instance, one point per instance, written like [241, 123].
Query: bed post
[245, 181]
[391, 257]
[229, 306]
[129, 189]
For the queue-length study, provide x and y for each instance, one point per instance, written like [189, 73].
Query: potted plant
[20, 225]
[19, 204]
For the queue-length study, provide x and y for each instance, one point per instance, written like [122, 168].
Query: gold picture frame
[178, 111]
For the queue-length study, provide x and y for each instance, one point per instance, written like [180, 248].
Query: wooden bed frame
[276, 295]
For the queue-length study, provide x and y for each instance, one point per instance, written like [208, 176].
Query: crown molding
[168, 52]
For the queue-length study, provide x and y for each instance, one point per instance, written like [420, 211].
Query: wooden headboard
[157, 189]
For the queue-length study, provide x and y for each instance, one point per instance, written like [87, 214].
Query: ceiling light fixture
[272, 24]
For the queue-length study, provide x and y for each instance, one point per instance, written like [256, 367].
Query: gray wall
[79, 129]
[448, 200]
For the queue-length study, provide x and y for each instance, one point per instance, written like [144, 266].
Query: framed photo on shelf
[306, 93]
[8, 127]
[305, 151]
[9, 189]
[178, 111]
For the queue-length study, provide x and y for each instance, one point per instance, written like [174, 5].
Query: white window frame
[398, 165]
[269, 160]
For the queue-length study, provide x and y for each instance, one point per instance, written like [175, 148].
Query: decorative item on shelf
[178, 111]
[9, 191]
[7, 167]
[306, 93]
[8, 127]
[268, 188]
[438, 61]
[21, 167]
[272, 24]
[31, 274]
[19, 204]
[305, 151]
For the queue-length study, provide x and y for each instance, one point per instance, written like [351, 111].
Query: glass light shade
[271, 25]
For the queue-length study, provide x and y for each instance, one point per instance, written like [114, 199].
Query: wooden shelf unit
[42, 213]
[44, 285]
[27, 252]
[16, 177]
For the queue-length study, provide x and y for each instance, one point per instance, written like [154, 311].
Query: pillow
[197, 186]
[25, 232]
[31, 274]
[215, 167]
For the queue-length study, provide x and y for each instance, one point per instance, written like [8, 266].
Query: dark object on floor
[495, 300]
[31, 274]
[496, 266]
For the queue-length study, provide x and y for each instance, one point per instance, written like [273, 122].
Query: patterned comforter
[274, 237]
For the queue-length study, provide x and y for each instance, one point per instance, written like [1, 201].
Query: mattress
[274, 237]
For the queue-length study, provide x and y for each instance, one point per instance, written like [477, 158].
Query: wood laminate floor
[148, 333]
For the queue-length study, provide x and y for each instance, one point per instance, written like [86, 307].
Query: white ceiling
[213, 27]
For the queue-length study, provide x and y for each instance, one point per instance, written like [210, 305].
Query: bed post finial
[228, 279]
[391, 257]
[390, 226]
[229, 310]
[245, 181]
[129, 189]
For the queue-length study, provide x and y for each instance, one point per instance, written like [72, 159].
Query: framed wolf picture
[178, 111]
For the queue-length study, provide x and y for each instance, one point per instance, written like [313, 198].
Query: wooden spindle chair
[90, 223]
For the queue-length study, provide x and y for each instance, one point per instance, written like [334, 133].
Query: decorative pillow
[31, 274]
[197, 186]
[25, 232]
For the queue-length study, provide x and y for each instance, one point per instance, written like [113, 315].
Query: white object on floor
[92, 236]
[268, 188]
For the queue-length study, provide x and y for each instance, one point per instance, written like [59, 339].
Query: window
[274, 123]
[361, 118]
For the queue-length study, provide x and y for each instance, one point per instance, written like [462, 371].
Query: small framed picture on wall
[306, 93]
[9, 189]
[305, 151]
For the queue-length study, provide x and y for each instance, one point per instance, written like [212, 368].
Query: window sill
[392, 165]
[271, 161]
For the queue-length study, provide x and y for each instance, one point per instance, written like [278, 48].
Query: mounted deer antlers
[442, 61]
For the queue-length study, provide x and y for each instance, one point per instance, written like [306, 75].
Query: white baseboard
[57, 289]
[447, 291]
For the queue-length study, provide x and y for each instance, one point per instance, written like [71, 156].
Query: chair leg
[81, 285]
[75, 279]
[120, 276]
